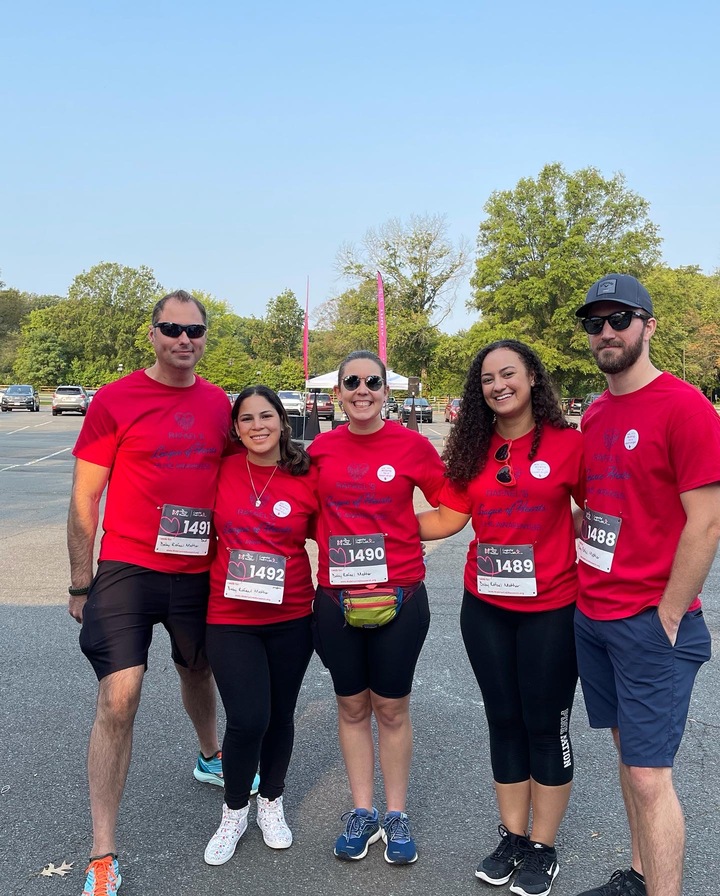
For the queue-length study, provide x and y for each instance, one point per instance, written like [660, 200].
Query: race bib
[598, 539]
[184, 530]
[253, 575]
[506, 570]
[357, 559]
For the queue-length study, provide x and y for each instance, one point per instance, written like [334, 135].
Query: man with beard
[648, 536]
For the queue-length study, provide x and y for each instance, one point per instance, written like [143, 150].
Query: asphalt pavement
[47, 695]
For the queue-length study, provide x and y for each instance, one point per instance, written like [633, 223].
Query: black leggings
[259, 670]
[527, 671]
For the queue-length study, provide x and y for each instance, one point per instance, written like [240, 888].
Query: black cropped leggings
[525, 665]
[259, 670]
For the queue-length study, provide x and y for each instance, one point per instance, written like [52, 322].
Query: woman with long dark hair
[259, 640]
[513, 465]
[369, 552]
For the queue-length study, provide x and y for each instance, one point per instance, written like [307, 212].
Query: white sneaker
[271, 821]
[222, 844]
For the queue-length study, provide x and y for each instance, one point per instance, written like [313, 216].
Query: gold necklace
[258, 496]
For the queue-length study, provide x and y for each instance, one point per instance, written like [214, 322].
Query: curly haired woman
[513, 464]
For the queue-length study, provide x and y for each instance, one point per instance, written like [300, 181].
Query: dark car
[391, 406]
[452, 408]
[20, 398]
[423, 411]
[588, 400]
[574, 406]
[325, 405]
[73, 399]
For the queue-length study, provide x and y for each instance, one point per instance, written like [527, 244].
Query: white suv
[293, 402]
[70, 398]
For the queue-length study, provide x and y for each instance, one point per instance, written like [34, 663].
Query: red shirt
[366, 486]
[642, 451]
[279, 526]
[536, 511]
[163, 445]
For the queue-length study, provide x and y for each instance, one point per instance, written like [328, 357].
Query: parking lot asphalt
[47, 695]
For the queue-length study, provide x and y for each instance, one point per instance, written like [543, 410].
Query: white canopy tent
[329, 380]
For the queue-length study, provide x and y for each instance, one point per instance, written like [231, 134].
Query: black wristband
[78, 592]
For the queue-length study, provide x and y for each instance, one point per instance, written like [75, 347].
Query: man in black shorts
[155, 439]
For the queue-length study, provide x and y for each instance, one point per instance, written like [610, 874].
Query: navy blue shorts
[126, 601]
[381, 659]
[634, 680]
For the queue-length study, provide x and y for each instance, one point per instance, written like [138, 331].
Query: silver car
[70, 398]
[293, 402]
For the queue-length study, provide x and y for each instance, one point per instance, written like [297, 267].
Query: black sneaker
[538, 871]
[498, 867]
[622, 883]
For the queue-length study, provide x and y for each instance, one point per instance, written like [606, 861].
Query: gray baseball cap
[620, 288]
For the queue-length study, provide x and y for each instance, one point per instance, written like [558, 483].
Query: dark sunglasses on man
[618, 320]
[194, 331]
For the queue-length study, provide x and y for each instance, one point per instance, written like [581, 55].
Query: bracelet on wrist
[78, 592]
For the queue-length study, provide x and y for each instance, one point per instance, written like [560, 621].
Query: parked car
[325, 405]
[588, 400]
[452, 409]
[293, 402]
[90, 394]
[423, 411]
[390, 406]
[574, 406]
[20, 398]
[70, 398]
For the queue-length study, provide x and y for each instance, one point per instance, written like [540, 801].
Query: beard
[622, 358]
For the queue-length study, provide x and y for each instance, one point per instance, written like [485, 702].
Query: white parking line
[13, 431]
[37, 461]
[46, 423]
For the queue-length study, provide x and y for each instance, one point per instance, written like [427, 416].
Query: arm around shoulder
[441, 523]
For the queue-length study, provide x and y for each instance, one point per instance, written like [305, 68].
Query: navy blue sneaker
[361, 829]
[400, 846]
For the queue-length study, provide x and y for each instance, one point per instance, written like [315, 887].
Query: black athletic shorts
[126, 601]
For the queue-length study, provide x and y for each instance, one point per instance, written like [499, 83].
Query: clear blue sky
[233, 147]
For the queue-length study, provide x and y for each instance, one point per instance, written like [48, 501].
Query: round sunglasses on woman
[368, 542]
[258, 635]
[513, 465]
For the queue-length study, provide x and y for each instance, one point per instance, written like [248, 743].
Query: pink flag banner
[382, 328]
[306, 332]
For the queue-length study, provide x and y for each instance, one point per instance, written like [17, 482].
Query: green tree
[281, 332]
[94, 334]
[542, 245]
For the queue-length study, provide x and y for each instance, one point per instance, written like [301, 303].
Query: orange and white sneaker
[103, 876]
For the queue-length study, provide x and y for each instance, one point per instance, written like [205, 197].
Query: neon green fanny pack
[365, 608]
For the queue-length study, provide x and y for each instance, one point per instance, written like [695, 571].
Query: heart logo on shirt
[357, 471]
[237, 570]
[170, 525]
[184, 420]
[338, 557]
[486, 566]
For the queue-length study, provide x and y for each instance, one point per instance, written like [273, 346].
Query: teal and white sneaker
[400, 845]
[103, 876]
[209, 771]
[362, 827]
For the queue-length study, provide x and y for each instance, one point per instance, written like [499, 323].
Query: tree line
[539, 247]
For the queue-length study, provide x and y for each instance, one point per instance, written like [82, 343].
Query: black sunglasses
[618, 320]
[194, 331]
[505, 475]
[374, 382]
